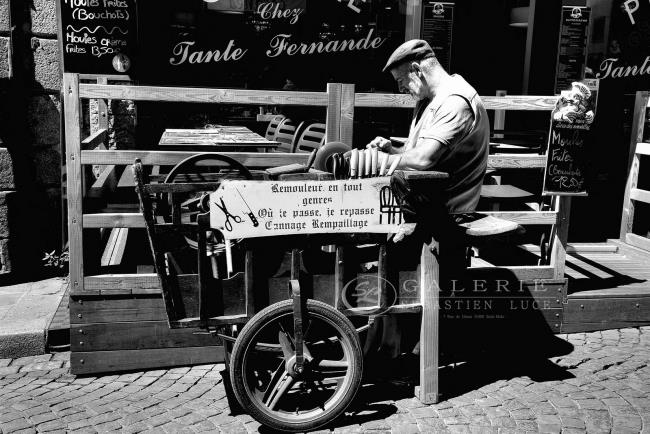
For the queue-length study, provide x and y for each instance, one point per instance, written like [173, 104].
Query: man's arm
[422, 157]
[384, 145]
[452, 122]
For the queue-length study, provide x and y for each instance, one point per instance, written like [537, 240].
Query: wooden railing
[340, 100]
[632, 192]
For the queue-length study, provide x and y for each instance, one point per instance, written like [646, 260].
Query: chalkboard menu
[437, 27]
[569, 136]
[572, 50]
[98, 36]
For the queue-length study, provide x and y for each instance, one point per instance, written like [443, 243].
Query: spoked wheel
[191, 170]
[263, 367]
[189, 166]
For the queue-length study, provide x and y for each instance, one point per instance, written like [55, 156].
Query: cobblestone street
[602, 386]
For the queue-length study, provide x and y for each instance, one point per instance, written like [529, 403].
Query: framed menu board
[98, 36]
[572, 50]
[437, 29]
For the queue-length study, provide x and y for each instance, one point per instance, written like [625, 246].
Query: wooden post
[72, 116]
[382, 274]
[249, 282]
[93, 238]
[340, 113]
[296, 258]
[102, 108]
[333, 122]
[559, 235]
[500, 116]
[347, 114]
[427, 391]
[413, 19]
[529, 46]
[339, 277]
[204, 268]
[634, 161]
[102, 124]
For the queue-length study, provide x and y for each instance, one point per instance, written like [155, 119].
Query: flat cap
[413, 50]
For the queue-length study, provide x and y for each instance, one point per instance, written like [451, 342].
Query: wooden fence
[118, 320]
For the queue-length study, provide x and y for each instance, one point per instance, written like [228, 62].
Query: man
[449, 133]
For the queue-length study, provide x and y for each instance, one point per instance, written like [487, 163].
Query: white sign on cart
[245, 209]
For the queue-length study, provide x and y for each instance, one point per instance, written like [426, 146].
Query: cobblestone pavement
[602, 386]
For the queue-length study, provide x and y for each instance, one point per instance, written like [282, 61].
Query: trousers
[424, 205]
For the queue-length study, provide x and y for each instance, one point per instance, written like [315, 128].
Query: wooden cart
[288, 301]
[117, 315]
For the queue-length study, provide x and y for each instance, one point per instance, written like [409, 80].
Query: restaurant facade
[511, 47]
[304, 47]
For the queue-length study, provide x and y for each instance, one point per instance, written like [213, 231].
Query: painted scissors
[235, 218]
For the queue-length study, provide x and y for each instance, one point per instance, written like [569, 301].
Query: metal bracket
[294, 287]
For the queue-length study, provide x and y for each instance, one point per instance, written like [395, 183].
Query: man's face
[409, 80]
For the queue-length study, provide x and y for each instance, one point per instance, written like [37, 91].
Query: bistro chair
[312, 137]
[273, 127]
[285, 135]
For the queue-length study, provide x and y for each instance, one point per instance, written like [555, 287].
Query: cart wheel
[190, 166]
[263, 359]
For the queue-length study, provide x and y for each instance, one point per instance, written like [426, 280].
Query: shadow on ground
[376, 401]
[380, 398]
[592, 281]
[492, 326]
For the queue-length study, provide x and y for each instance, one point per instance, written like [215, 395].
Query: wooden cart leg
[427, 391]
[339, 276]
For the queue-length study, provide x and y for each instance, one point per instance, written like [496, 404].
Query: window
[290, 44]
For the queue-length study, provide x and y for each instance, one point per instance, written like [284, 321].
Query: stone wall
[31, 216]
[30, 151]
[6, 167]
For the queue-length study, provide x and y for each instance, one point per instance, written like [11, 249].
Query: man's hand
[403, 231]
[382, 144]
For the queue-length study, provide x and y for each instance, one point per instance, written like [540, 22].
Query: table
[224, 138]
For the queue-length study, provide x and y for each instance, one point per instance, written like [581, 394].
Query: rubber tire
[326, 151]
[248, 333]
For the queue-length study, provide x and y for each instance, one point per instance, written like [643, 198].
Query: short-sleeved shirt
[457, 119]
